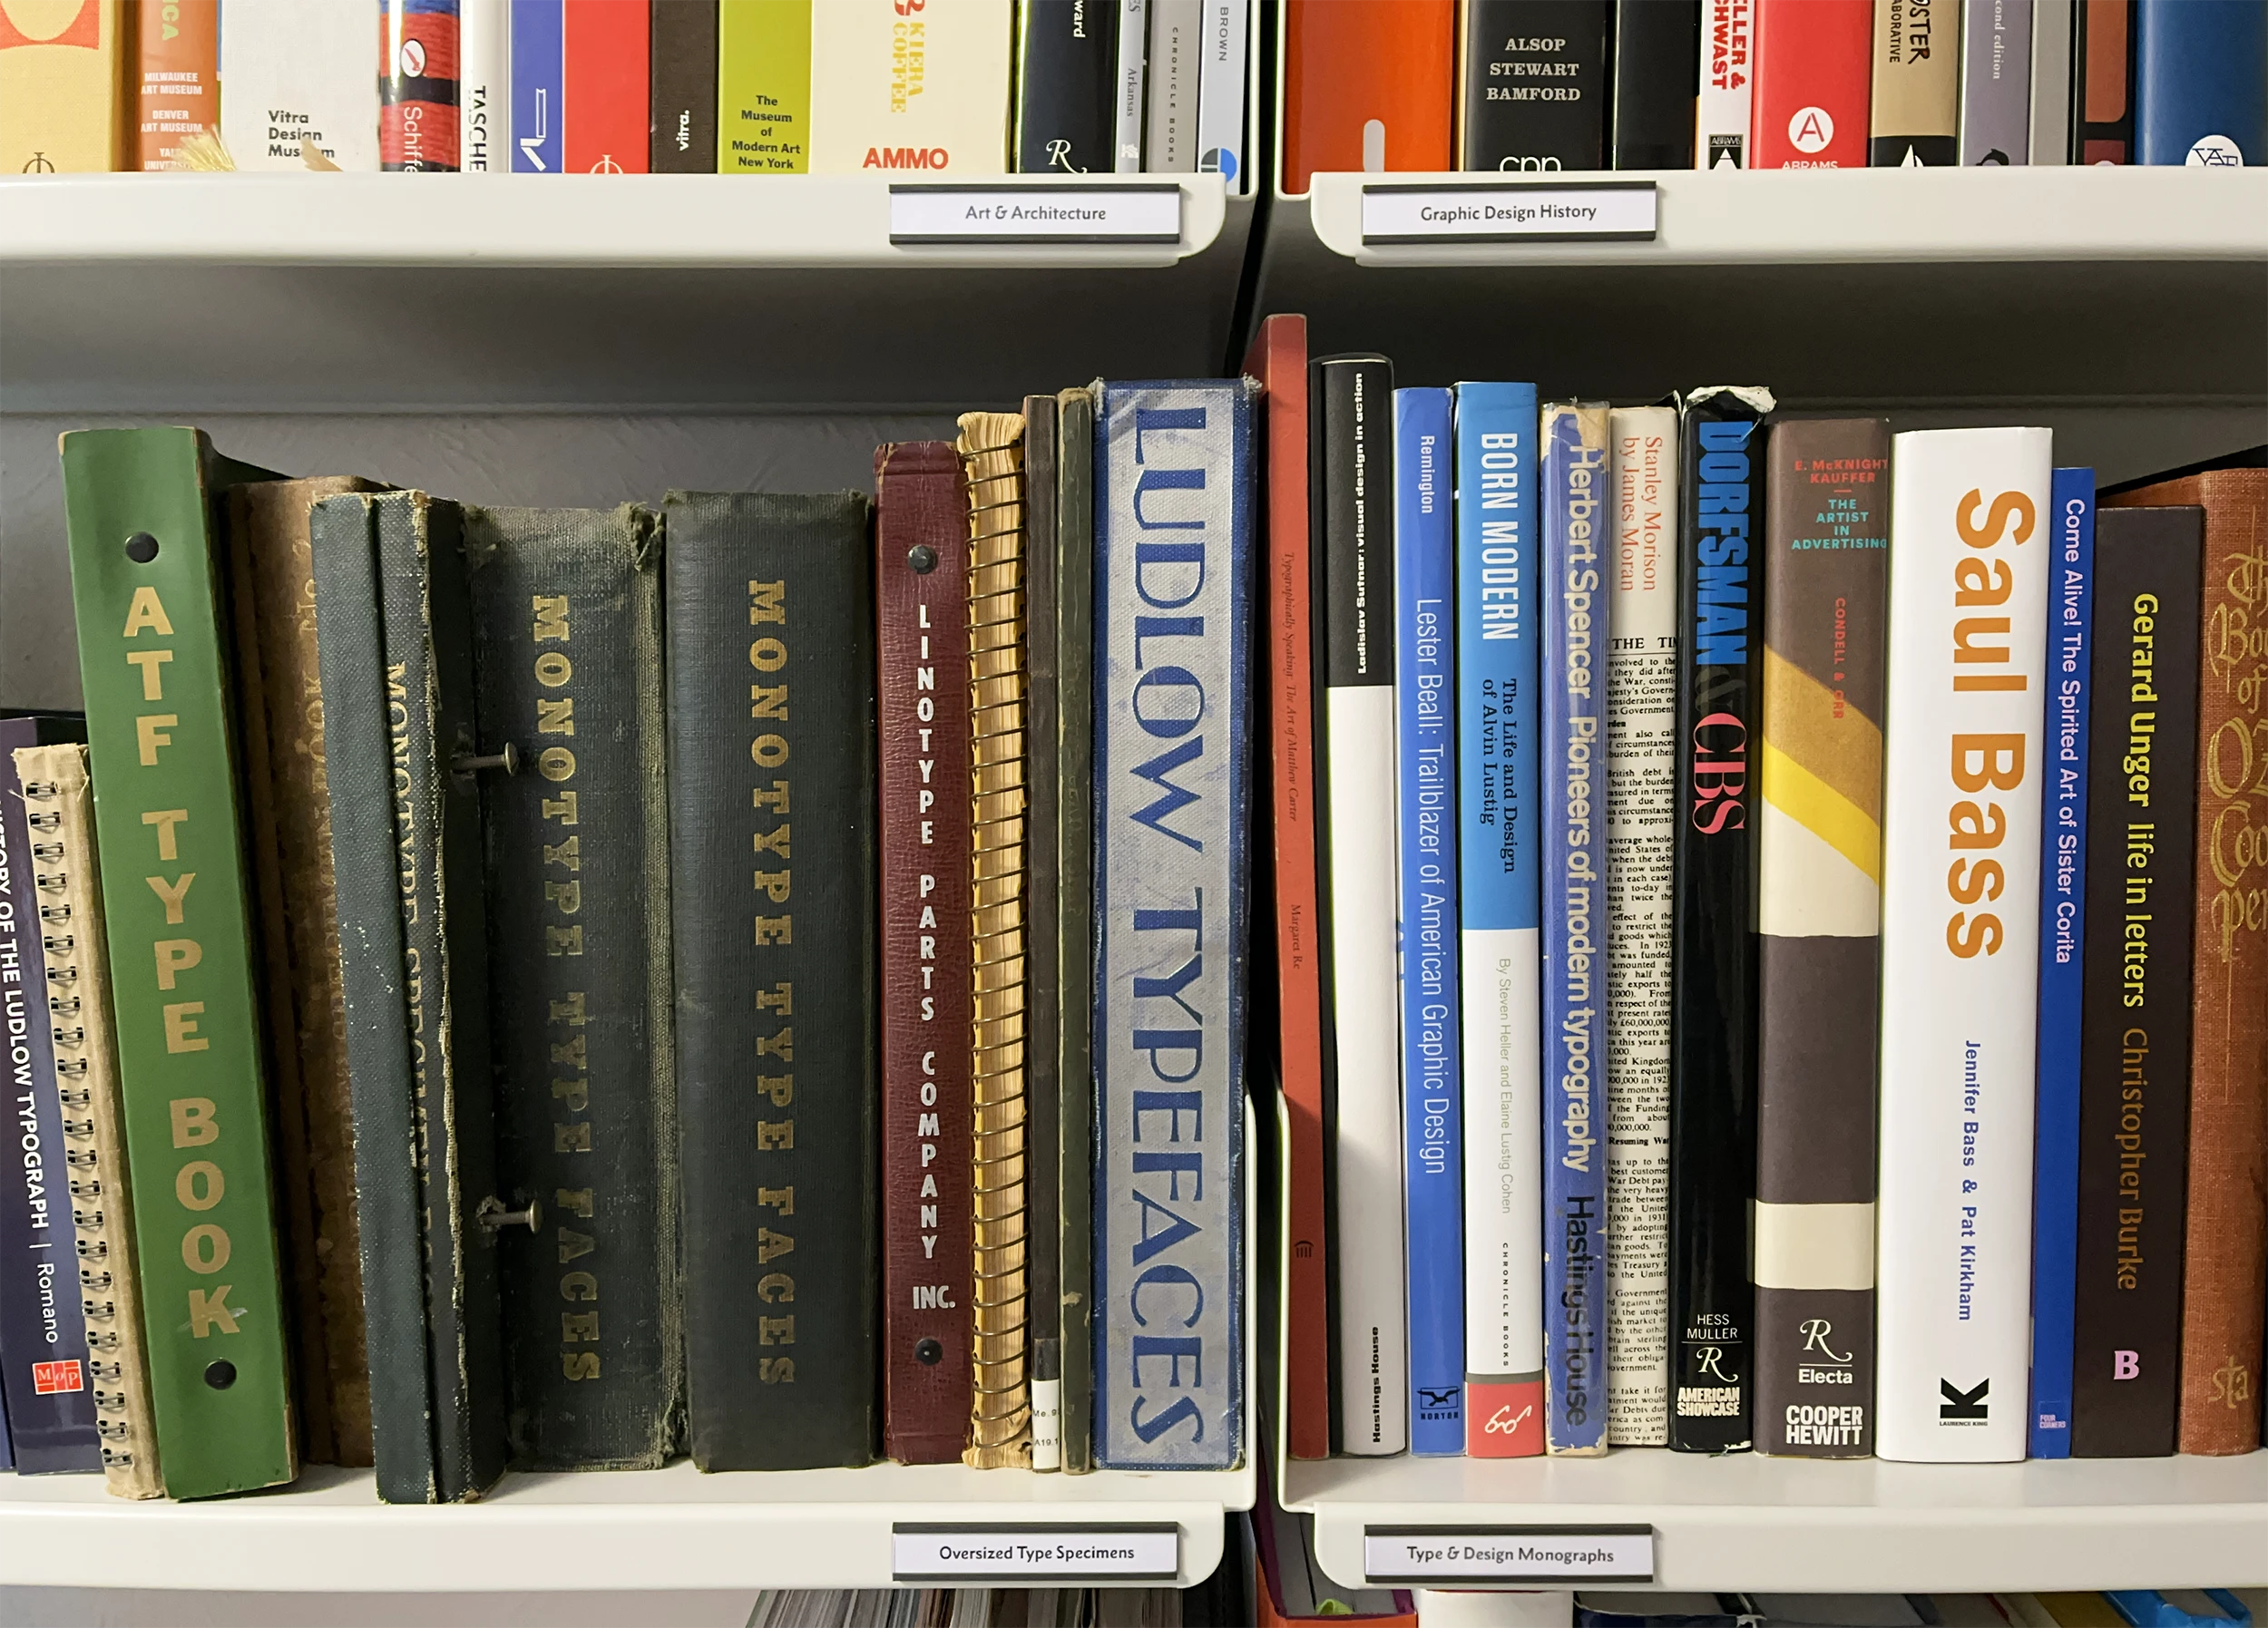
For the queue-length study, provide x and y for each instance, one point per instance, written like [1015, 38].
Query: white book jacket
[905, 89]
[295, 70]
[1968, 567]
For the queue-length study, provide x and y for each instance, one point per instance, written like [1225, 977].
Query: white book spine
[893, 92]
[1968, 567]
[1220, 97]
[1170, 147]
[2051, 81]
[295, 71]
[483, 91]
[1133, 52]
[1373, 1354]
[1728, 55]
[1641, 801]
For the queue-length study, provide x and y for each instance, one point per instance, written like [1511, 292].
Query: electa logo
[906, 158]
[1720, 773]
[2126, 1365]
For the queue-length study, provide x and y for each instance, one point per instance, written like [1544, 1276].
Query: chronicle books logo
[1963, 1407]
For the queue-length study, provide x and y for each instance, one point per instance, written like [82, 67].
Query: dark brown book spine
[2227, 1248]
[682, 88]
[2134, 1023]
[921, 594]
[1826, 597]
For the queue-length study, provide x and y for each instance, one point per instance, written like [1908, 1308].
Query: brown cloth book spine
[922, 692]
[1000, 1412]
[2227, 1222]
[272, 565]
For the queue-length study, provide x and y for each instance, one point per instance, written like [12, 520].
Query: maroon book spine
[928, 1204]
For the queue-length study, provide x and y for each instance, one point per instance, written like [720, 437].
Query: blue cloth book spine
[1425, 759]
[1174, 586]
[2201, 81]
[1500, 899]
[1574, 810]
[539, 86]
[2062, 935]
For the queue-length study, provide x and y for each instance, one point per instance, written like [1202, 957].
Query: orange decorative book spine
[2227, 1230]
[1368, 84]
[177, 79]
[59, 88]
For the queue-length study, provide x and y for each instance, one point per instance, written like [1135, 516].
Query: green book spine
[567, 612]
[146, 585]
[763, 87]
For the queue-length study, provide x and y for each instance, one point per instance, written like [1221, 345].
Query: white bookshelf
[652, 293]
[671, 1528]
[1782, 1525]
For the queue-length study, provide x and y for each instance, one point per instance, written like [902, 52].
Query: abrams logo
[1963, 1407]
[906, 158]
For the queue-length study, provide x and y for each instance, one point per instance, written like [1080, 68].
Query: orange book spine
[176, 78]
[1368, 84]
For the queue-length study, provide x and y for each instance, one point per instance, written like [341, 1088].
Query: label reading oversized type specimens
[921, 1552]
[1438, 1555]
[1007, 212]
[1524, 212]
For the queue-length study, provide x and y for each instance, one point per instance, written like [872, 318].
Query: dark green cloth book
[395, 646]
[567, 613]
[770, 641]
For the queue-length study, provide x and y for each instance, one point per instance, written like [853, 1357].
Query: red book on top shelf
[606, 65]
[1814, 65]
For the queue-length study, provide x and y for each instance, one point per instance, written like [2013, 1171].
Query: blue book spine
[1425, 759]
[539, 86]
[1174, 594]
[2201, 81]
[1500, 899]
[2062, 935]
[1574, 810]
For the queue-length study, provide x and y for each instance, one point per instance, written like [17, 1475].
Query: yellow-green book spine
[763, 87]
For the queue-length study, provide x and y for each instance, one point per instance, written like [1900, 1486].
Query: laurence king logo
[1963, 1407]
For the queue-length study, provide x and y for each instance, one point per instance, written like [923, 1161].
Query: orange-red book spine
[607, 62]
[1368, 84]
[177, 79]
[1814, 66]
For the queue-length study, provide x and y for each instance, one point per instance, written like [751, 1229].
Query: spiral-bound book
[999, 1413]
[59, 807]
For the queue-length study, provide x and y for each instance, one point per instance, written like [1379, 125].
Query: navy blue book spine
[1574, 757]
[2201, 83]
[1174, 586]
[1425, 755]
[42, 1330]
[2062, 935]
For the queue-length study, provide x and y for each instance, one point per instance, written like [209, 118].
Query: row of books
[1686, 771]
[759, 976]
[767, 87]
[1674, 85]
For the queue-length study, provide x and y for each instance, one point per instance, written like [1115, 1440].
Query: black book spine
[43, 1327]
[425, 605]
[770, 640]
[1532, 85]
[1657, 80]
[1042, 891]
[2134, 1023]
[1074, 906]
[567, 606]
[683, 59]
[1713, 1000]
[1066, 54]
[358, 694]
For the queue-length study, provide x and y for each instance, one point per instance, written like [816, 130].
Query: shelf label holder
[1450, 1556]
[1009, 212]
[1510, 211]
[1033, 1552]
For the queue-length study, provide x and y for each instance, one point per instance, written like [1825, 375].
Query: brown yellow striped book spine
[2222, 1278]
[1000, 1419]
[60, 808]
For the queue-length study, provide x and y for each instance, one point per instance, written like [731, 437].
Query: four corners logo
[1964, 1404]
[52, 22]
[1811, 128]
[48, 1379]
